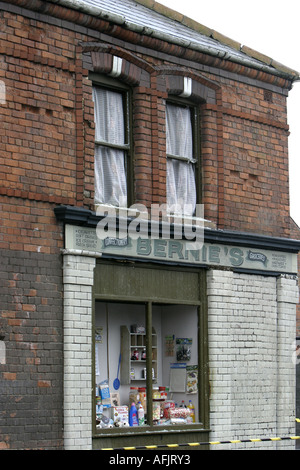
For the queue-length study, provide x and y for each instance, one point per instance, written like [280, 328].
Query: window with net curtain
[110, 148]
[181, 184]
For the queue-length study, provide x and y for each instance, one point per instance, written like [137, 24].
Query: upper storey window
[181, 180]
[111, 146]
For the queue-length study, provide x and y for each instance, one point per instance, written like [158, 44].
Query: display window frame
[149, 303]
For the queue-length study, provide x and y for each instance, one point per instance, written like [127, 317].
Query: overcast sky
[272, 28]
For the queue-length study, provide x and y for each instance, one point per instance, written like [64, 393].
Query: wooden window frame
[196, 132]
[105, 82]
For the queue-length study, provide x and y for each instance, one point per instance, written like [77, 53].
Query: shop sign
[179, 252]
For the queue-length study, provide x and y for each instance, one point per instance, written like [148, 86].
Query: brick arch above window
[182, 82]
[117, 63]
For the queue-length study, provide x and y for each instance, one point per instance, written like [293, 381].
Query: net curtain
[181, 187]
[110, 171]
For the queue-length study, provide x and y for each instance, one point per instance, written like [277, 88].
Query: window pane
[177, 333]
[110, 177]
[109, 116]
[121, 328]
[110, 167]
[181, 185]
[121, 335]
[179, 131]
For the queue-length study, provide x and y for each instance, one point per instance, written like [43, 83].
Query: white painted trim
[187, 87]
[117, 67]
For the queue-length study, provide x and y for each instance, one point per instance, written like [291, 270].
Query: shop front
[158, 338]
[150, 354]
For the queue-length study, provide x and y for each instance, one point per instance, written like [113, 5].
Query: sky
[272, 28]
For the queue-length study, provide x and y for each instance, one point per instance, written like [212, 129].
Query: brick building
[105, 104]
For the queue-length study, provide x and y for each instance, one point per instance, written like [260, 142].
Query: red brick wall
[47, 144]
[249, 135]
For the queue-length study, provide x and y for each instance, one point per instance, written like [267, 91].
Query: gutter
[242, 59]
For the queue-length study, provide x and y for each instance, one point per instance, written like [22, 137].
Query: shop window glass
[181, 185]
[158, 370]
[110, 147]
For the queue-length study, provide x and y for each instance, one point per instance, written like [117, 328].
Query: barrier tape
[211, 443]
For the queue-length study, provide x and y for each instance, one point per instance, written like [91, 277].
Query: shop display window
[146, 365]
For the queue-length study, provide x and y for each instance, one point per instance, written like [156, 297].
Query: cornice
[86, 218]
[276, 75]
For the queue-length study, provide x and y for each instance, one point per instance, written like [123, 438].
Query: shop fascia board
[86, 218]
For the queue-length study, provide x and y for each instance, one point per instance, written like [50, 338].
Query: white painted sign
[177, 251]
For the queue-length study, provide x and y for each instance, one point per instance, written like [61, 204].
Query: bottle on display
[133, 418]
[141, 414]
[135, 355]
[182, 404]
[192, 411]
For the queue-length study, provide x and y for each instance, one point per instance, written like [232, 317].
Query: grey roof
[165, 24]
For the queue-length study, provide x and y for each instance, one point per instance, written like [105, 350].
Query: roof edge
[190, 23]
[248, 57]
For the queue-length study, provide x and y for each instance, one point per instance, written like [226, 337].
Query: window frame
[112, 84]
[196, 136]
[148, 300]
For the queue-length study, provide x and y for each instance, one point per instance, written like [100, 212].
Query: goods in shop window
[134, 395]
[116, 382]
[104, 393]
[133, 417]
[143, 398]
[183, 351]
[156, 410]
[169, 345]
[115, 399]
[99, 406]
[192, 411]
[167, 406]
[141, 414]
[192, 379]
[105, 422]
[138, 329]
[120, 415]
[179, 412]
[144, 373]
[135, 355]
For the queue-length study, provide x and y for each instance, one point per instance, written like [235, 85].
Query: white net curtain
[110, 157]
[110, 170]
[181, 186]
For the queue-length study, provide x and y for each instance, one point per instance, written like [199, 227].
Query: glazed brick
[251, 329]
